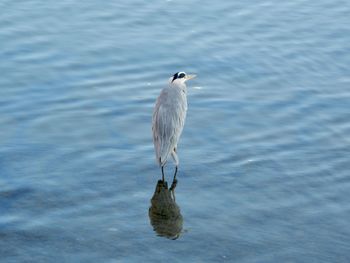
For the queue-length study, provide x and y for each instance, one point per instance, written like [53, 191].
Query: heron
[169, 119]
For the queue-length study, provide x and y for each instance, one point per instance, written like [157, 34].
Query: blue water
[265, 152]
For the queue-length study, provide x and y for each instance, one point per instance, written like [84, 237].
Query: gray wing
[167, 124]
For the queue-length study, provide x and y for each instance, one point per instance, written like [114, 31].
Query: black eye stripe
[175, 77]
[179, 75]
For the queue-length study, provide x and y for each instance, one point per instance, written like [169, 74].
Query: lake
[264, 155]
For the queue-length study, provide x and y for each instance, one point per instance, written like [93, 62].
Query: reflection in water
[164, 213]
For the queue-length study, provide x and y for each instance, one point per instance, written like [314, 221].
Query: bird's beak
[190, 76]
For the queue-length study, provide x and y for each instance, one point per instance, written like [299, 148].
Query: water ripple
[264, 156]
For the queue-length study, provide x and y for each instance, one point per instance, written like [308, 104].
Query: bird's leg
[176, 159]
[163, 173]
[174, 183]
[174, 179]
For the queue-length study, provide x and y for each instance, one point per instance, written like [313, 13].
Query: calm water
[265, 153]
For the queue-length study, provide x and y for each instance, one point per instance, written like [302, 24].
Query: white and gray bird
[169, 118]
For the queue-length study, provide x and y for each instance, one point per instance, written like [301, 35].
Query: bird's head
[181, 78]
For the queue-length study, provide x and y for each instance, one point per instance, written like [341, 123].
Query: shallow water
[264, 174]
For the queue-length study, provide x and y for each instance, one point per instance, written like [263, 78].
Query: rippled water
[265, 161]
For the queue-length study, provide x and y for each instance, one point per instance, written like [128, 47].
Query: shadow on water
[164, 214]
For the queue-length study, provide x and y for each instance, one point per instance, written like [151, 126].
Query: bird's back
[168, 121]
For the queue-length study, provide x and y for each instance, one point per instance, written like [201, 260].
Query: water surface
[264, 174]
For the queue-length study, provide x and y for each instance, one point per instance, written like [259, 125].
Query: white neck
[177, 81]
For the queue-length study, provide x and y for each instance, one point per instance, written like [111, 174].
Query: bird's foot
[173, 185]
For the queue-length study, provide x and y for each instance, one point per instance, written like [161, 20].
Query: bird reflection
[164, 213]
